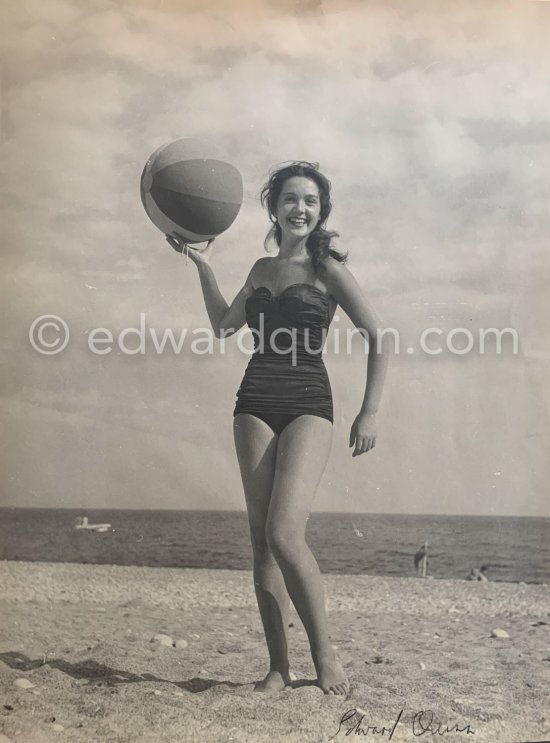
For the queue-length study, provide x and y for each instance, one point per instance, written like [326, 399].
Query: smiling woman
[283, 415]
[316, 193]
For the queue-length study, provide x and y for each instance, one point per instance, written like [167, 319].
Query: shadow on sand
[98, 674]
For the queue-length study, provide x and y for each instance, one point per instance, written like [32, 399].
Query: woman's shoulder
[261, 266]
[339, 280]
[265, 260]
[334, 270]
[259, 269]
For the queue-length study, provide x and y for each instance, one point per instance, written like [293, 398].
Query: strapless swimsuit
[286, 376]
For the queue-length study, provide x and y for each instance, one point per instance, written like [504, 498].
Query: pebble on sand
[23, 684]
[161, 639]
[57, 727]
[498, 632]
[181, 644]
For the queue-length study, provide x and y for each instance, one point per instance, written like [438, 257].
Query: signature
[422, 723]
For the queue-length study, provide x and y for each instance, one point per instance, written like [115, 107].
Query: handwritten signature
[422, 723]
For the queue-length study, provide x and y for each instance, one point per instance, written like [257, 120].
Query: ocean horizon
[514, 548]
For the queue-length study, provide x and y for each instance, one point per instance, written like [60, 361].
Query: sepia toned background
[431, 122]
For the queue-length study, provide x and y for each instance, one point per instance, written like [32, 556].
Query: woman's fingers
[178, 243]
[363, 444]
[191, 251]
[178, 247]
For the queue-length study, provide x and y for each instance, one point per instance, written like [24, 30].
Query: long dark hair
[319, 242]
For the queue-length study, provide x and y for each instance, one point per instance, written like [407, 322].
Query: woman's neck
[289, 250]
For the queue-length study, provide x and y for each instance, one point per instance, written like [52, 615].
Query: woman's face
[298, 207]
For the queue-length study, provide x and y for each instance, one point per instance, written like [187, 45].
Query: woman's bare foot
[274, 681]
[331, 677]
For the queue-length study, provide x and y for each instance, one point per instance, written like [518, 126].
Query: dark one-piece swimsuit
[286, 376]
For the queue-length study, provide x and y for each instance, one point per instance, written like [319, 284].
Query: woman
[283, 415]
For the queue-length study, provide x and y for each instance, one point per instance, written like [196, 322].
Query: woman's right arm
[225, 319]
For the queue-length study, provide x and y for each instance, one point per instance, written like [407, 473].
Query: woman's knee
[261, 550]
[285, 542]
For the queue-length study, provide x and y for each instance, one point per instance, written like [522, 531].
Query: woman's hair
[319, 242]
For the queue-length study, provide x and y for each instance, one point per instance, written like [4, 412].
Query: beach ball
[189, 192]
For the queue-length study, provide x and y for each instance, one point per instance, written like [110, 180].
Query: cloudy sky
[431, 120]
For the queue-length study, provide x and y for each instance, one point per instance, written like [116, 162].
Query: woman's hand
[363, 433]
[196, 255]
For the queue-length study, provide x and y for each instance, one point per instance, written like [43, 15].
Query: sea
[513, 549]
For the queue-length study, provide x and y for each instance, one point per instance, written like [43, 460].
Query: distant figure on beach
[283, 415]
[421, 560]
[478, 574]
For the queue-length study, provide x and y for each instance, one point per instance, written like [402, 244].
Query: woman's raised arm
[225, 319]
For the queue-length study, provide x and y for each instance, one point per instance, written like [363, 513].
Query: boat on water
[83, 523]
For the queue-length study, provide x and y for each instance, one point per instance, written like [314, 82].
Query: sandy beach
[77, 661]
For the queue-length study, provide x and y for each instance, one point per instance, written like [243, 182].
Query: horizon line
[243, 511]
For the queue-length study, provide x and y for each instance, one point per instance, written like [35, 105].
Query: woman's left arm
[343, 286]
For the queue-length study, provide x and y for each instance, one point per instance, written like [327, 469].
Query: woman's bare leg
[302, 453]
[256, 446]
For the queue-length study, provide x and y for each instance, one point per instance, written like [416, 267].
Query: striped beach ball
[187, 192]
